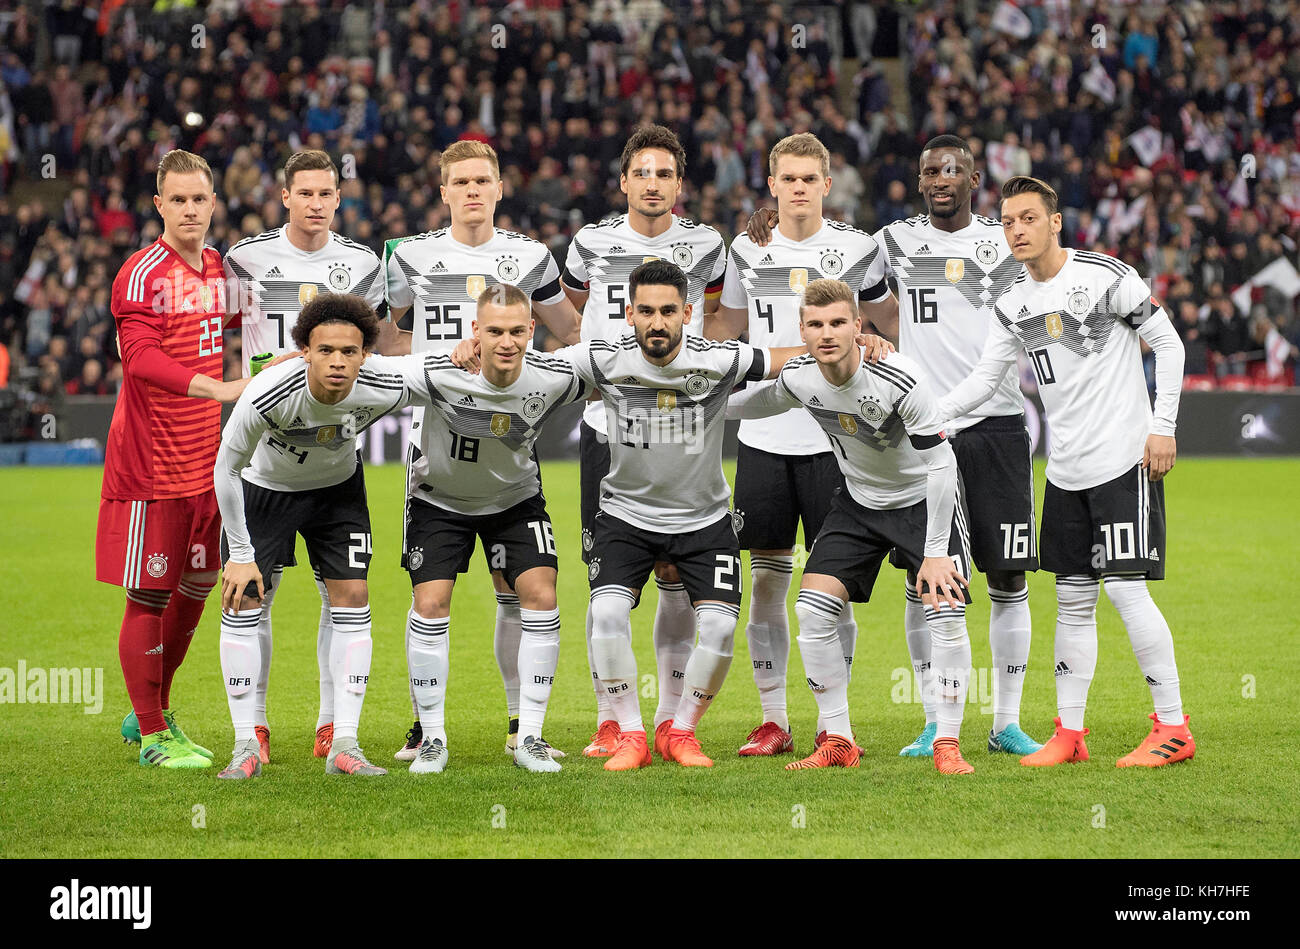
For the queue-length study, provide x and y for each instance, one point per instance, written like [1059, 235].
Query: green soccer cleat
[923, 747]
[161, 750]
[131, 732]
[1013, 741]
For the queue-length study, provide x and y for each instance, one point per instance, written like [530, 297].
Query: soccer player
[887, 436]
[270, 278]
[438, 277]
[288, 465]
[601, 258]
[665, 499]
[784, 471]
[951, 265]
[158, 521]
[481, 481]
[1081, 316]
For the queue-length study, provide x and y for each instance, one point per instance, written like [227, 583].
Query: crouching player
[480, 480]
[901, 474]
[288, 465]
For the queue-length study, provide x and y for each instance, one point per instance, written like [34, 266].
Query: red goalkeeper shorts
[147, 545]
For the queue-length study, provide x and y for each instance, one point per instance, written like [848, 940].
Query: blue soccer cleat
[1013, 741]
[923, 747]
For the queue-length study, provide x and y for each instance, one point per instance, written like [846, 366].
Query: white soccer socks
[1009, 637]
[604, 710]
[505, 646]
[1076, 646]
[768, 633]
[264, 644]
[350, 651]
[706, 670]
[674, 635]
[324, 635]
[539, 651]
[1153, 644]
[820, 646]
[610, 617]
[428, 658]
[241, 663]
[950, 652]
[917, 632]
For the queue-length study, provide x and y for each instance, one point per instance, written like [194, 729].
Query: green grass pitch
[70, 788]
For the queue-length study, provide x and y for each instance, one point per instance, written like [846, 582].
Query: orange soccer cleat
[661, 739]
[767, 739]
[684, 748]
[263, 743]
[1065, 746]
[1167, 744]
[604, 741]
[821, 737]
[833, 752]
[630, 753]
[324, 739]
[948, 759]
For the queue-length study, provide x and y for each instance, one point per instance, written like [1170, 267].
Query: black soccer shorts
[707, 560]
[1116, 527]
[334, 522]
[994, 461]
[593, 465]
[774, 492]
[440, 543]
[854, 541]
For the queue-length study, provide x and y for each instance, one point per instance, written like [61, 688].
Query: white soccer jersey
[947, 282]
[872, 421]
[1081, 329]
[481, 437]
[280, 437]
[441, 279]
[601, 258]
[665, 470]
[768, 282]
[271, 281]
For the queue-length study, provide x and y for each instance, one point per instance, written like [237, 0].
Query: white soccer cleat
[535, 755]
[432, 758]
[512, 739]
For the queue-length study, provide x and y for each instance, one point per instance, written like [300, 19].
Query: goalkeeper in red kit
[159, 525]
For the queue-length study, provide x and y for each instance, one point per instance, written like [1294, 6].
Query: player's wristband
[258, 363]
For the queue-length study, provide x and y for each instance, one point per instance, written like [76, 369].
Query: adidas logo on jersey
[616, 249]
[468, 400]
[1024, 311]
[273, 273]
[767, 259]
[439, 267]
[923, 249]
[297, 421]
[815, 401]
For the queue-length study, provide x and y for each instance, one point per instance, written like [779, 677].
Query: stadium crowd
[1170, 132]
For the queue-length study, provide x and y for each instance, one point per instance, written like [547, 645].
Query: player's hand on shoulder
[939, 581]
[1159, 455]
[759, 228]
[874, 348]
[283, 357]
[465, 356]
[235, 578]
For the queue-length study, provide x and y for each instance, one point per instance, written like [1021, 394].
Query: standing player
[785, 472]
[601, 258]
[287, 466]
[271, 277]
[439, 277]
[482, 482]
[1080, 317]
[901, 497]
[158, 520]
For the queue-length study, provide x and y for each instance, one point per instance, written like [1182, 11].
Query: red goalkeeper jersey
[163, 443]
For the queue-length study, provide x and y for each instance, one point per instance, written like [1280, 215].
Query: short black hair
[1024, 184]
[660, 273]
[949, 141]
[337, 308]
